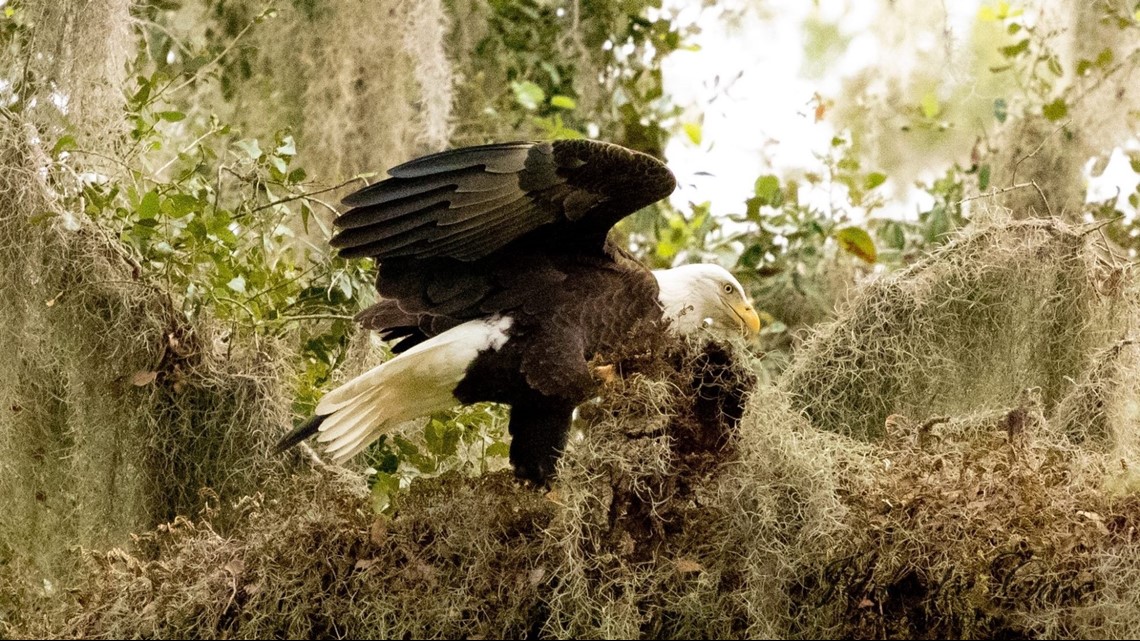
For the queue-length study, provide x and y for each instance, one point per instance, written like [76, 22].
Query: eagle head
[700, 296]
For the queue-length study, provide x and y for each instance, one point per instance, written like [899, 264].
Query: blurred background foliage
[238, 123]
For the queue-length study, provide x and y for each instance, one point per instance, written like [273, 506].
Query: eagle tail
[299, 433]
[415, 383]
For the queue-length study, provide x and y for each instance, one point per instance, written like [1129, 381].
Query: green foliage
[568, 69]
[470, 440]
[229, 226]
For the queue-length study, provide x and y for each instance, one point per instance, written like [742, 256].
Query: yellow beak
[747, 314]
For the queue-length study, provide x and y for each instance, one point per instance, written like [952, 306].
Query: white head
[699, 296]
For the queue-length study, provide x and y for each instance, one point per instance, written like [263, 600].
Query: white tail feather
[416, 383]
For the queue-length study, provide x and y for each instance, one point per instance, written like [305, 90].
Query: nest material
[691, 508]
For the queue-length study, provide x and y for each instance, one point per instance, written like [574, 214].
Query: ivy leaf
[857, 241]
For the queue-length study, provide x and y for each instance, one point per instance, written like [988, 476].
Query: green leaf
[693, 131]
[1104, 58]
[237, 283]
[384, 488]
[1001, 110]
[499, 449]
[563, 102]
[442, 438]
[1013, 51]
[984, 177]
[1134, 162]
[858, 242]
[306, 212]
[767, 190]
[1055, 66]
[528, 94]
[874, 179]
[171, 116]
[287, 147]
[986, 14]
[894, 235]
[65, 143]
[250, 147]
[1083, 66]
[148, 207]
[182, 204]
[1056, 110]
[930, 106]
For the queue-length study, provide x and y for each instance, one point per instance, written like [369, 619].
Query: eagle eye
[727, 288]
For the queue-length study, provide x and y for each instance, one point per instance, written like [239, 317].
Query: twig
[217, 58]
[308, 194]
[305, 317]
[995, 192]
[1033, 153]
[1043, 198]
[1101, 225]
[185, 150]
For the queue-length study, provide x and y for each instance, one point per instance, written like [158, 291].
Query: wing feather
[584, 187]
[468, 232]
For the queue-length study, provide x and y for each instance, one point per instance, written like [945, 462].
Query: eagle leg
[538, 429]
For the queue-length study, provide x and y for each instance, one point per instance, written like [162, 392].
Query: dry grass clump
[989, 525]
[637, 534]
[462, 558]
[114, 410]
[1000, 309]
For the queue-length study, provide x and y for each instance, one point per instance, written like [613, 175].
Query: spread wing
[471, 232]
[466, 204]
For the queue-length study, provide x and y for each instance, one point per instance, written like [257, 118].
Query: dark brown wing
[466, 204]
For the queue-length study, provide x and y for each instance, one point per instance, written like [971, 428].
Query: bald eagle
[499, 282]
